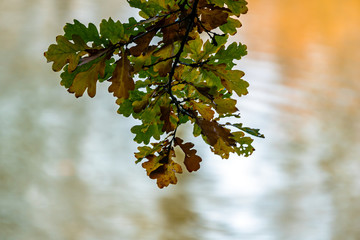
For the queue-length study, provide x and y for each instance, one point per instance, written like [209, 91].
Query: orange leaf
[191, 161]
[121, 80]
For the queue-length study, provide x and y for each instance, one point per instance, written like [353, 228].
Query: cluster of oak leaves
[180, 76]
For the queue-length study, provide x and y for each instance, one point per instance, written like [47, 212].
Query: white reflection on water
[66, 164]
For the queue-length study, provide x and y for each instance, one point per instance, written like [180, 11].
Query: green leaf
[113, 31]
[252, 131]
[145, 151]
[245, 147]
[88, 34]
[237, 7]
[227, 56]
[145, 132]
[231, 26]
[230, 79]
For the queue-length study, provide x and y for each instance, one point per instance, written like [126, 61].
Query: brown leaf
[213, 130]
[121, 80]
[172, 33]
[142, 44]
[191, 161]
[213, 18]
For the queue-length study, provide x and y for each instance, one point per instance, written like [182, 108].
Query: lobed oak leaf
[142, 59]
[172, 33]
[191, 160]
[253, 131]
[193, 47]
[227, 56]
[237, 7]
[140, 105]
[230, 79]
[222, 149]
[245, 148]
[212, 18]
[167, 114]
[165, 174]
[142, 44]
[231, 26]
[164, 67]
[88, 34]
[205, 111]
[212, 130]
[121, 80]
[152, 164]
[224, 106]
[145, 151]
[87, 79]
[145, 132]
[113, 31]
[65, 52]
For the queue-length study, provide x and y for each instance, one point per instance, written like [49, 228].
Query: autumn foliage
[173, 67]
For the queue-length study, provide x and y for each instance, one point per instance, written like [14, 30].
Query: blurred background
[67, 169]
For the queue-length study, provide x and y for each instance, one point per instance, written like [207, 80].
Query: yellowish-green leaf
[205, 110]
[224, 106]
[230, 79]
[222, 149]
[87, 80]
[65, 52]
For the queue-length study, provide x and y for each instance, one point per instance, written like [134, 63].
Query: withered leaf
[213, 130]
[166, 113]
[212, 18]
[142, 44]
[191, 161]
[121, 80]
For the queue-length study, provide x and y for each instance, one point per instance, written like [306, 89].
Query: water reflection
[65, 165]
